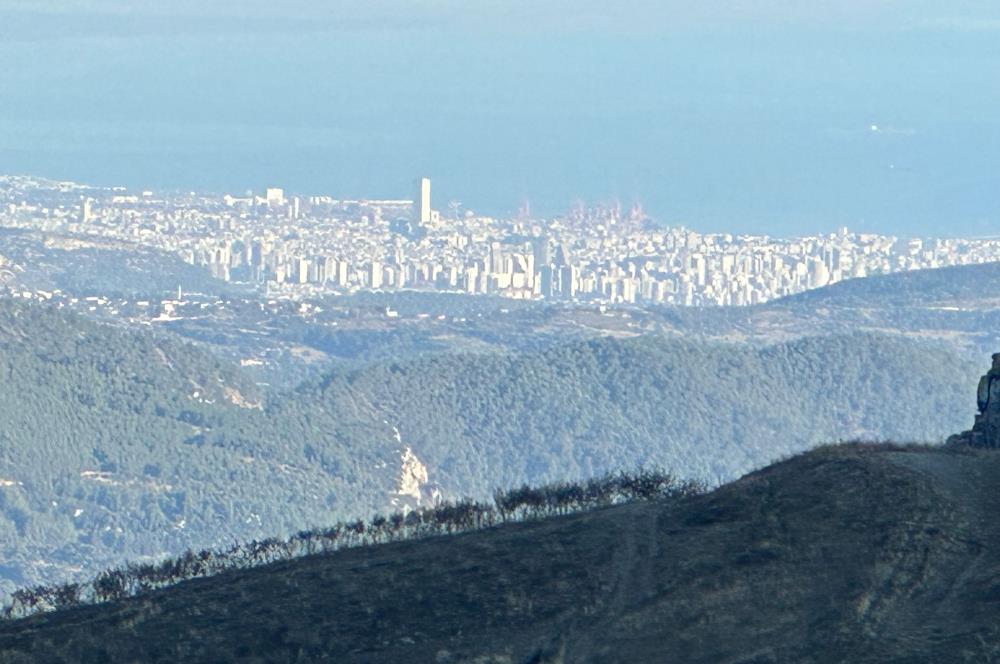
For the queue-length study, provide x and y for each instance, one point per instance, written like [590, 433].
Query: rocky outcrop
[985, 431]
[413, 486]
[412, 476]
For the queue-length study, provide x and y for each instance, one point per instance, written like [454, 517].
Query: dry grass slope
[852, 553]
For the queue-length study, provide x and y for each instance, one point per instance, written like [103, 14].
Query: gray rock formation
[986, 430]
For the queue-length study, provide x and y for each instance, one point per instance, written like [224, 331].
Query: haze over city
[748, 118]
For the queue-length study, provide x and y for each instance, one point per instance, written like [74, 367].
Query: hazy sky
[749, 116]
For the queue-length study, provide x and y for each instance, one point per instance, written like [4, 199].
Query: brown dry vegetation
[852, 553]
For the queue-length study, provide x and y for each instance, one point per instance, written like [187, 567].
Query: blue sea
[778, 132]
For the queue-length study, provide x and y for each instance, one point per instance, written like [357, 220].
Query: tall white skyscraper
[422, 201]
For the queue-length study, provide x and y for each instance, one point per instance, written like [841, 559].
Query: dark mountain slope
[858, 554]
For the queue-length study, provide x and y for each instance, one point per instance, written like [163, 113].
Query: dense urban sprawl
[302, 246]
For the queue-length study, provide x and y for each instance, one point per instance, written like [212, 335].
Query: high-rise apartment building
[86, 211]
[542, 251]
[422, 201]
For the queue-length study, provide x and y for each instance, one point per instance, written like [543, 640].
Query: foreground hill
[862, 554]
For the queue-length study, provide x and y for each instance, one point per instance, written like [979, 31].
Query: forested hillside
[703, 411]
[122, 445]
[118, 444]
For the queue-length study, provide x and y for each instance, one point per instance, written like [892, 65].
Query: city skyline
[522, 208]
[304, 246]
